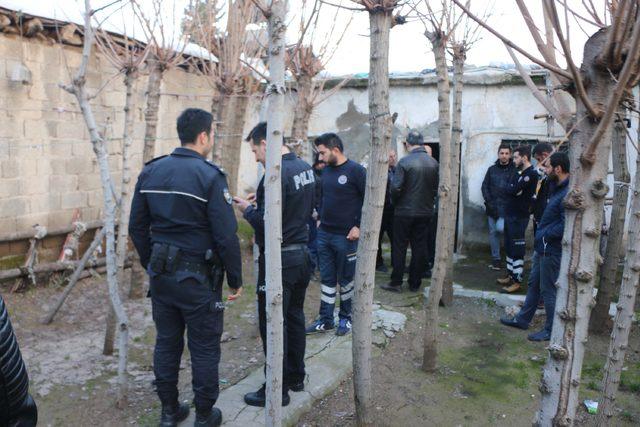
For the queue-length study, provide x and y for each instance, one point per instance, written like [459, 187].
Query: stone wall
[47, 166]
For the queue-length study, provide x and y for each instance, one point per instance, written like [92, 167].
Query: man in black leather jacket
[413, 191]
[17, 408]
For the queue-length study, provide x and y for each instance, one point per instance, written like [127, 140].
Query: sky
[409, 49]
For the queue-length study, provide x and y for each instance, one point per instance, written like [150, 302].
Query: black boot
[211, 418]
[258, 398]
[173, 414]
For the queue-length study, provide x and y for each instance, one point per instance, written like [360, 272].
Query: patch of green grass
[11, 261]
[593, 385]
[245, 231]
[630, 379]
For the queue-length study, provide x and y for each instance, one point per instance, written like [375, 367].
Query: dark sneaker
[496, 265]
[344, 327]
[392, 288]
[427, 274]
[514, 287]
[511, 321]
[542, 335]
[172, 415]
[296, 386]
[382, 268]
[318, 326]
[214, 419]
[259, 398]
[504, 281]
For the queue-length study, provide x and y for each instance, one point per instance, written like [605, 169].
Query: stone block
[43, 166]
[60, 148]
[63, 183]
[7, 225]
[111, 98]
[13, 207]
[55, 201]
[89, 183]
[25, 222]
[74, 200]
[36, 130]
[60, 218]
[10, 188]
[71, 130]
[90, 214]
[79, 165]
[9, 169]
[95, 199]
[35, 185]
[83, 149]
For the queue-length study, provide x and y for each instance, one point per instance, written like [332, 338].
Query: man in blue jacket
[548, 253]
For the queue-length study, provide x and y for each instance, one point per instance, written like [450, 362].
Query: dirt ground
[488, 374]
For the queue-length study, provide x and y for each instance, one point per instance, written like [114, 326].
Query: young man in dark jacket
[521, 193]
[413, 192]
[547, 255]
[541, 152]
[495, 192]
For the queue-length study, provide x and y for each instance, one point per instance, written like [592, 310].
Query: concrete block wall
[47, 165]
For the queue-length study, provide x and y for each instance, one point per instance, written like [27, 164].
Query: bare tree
[600, 322]
[232, 78]
[306, 59]
[126, 56]
[626, 303]
[77, 87]
[380, 22]
[165, 52]
[609, 69]
[275, 12]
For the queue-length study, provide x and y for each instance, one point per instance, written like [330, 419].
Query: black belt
[293, 247]
[194, 267]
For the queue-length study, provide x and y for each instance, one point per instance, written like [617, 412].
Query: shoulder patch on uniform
[227, 196]
[153, 160]
[218, 168]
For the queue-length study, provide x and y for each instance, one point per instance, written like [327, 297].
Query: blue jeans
[337, 257]
[496, 227]
[542, 281]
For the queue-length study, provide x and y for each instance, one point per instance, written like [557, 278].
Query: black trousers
[432, 232]
[185, 300]
[386, 226]
[296, 272]
[409, 231]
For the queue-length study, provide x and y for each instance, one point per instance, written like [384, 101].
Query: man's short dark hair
[329, 140]
[504, 146]
[562, 160]
[524, 151]
[259, 134]
[542, 147]
[191, 123]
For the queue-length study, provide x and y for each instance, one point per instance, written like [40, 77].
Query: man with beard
[343, 187]
[548, 253]
[521, 191]
[298, 193]
[495, 192]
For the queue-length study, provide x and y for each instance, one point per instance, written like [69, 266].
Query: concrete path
[328, 362]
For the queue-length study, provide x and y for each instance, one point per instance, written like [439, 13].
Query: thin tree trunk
[459, 57]
[109, 332]
[302, 115]
[580, 257]
[445, 206]
[273, 212]
[380, 138]
[73, 279]
[156, 72]
[626, 302]
[600, 322]
[232, 110]
[78, 89]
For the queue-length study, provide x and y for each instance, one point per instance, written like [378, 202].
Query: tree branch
[630, 67]
[543, 48]
[559, 71]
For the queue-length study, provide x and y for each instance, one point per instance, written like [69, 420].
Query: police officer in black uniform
[298, 194]
[184, 229]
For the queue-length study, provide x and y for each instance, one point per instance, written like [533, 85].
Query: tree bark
[232, 109]
[156, 72]
[580, 257]
[302, 115]
[273, 212]
[459, 58]
[626, 302]
[125, 185]
[79, 90]
[364, 282]
[445, 205]
[600, 322]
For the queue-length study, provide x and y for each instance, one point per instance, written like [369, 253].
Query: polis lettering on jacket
[304, 178]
